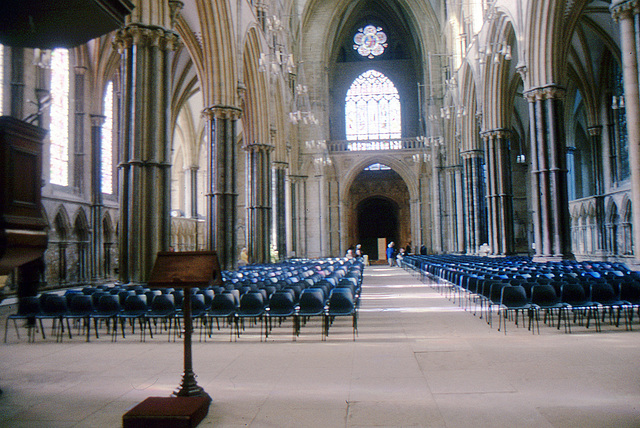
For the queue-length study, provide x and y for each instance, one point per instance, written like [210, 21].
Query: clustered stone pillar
[193, 191]
[551, 220]
[223, 194]
[259, 182]
[595, 134]
[280, 208]
[298, 214]
[474, 200]
[96, 196]
[626, 13]
[145, 177]
[499, 191]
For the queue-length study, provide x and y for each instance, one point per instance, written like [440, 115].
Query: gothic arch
[499, 80]
[548, 38]
[62, 224]
[255, 120]
[210, 39]
[403, 169]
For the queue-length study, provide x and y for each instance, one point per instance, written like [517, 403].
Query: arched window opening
[627, 228]
[611, 228]
[372, 109]
[377, 167]
[59, 127]
[620, 148]
[107, 141]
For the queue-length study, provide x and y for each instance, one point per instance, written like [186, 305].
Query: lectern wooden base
[167, 412]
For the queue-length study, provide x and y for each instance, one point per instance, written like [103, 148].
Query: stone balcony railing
[345, 146]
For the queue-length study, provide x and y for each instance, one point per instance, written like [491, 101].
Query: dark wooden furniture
[167, 412]
[189, 403]
[48, 24]
[23, 236]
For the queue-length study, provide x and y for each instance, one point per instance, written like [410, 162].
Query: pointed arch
[255, 121]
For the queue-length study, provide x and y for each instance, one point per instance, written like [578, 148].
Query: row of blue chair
[587, 290]
[232, 302]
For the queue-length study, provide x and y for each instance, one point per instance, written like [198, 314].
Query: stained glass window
[59, 127]
[372, 108]
[107, 141]
[370, 41]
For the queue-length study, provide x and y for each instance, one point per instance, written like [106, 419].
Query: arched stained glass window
[59, 128]
[372, 108]
[107, 141]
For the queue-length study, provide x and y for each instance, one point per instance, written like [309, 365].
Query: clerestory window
[59, 127]
[107, 141]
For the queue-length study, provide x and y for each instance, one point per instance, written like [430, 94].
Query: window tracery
[372, 108]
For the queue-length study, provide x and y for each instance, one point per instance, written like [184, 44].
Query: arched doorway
[378, 217]
[379, 210]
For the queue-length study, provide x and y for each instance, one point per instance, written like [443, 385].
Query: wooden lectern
[186, 270]
[189, 403]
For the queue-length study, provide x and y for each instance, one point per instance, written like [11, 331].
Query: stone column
[280, 208]
[626, 14]
[499, 193]
[145, 177]
[595, 133]
[298, 214]
[96, 254]
[474, 204]
[259, 185]
[222, 193]
[193, 191]
[551, 220]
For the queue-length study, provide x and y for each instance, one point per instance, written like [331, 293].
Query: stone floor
[418, 361]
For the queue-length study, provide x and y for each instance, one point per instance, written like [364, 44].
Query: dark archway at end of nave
[377, 218]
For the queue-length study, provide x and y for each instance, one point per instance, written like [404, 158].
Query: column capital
[499, 133]
[624, 9]
[145, 35]
[595, 131]
[222, 112]
[97, 119]
[296, 178]
[280, 165]
[470, 154]
[548, 92]
[258, 147]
